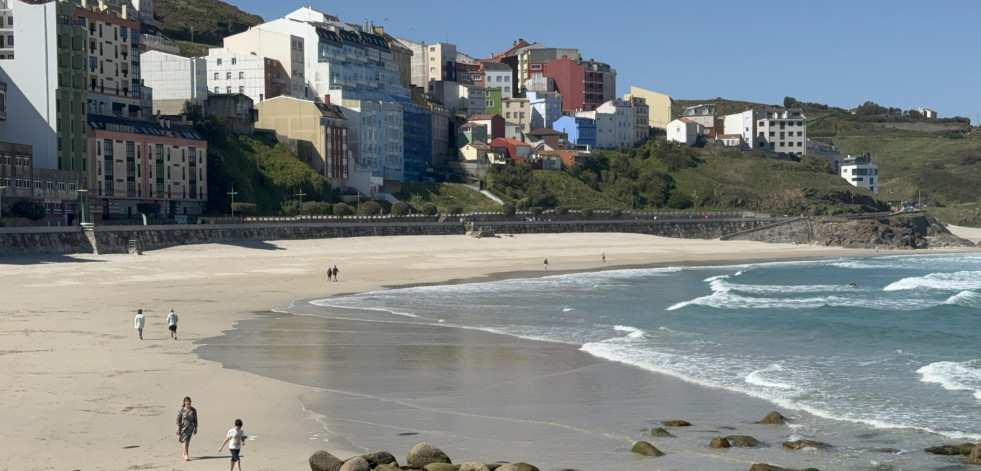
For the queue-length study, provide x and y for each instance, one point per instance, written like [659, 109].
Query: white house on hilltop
[861, 172]
[683, 130]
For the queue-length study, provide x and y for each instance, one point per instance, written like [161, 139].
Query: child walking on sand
[235, 440]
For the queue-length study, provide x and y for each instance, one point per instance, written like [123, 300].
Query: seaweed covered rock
[422, 454]
[767, 467]
[321, 460]
[644, 448]
[660, 432]
[773, 418]
[800, 444]
[719, 442]
[472, 466]
[964, 449]
[743, 441]
[675, 423]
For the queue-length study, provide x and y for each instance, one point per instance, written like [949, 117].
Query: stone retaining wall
[115, 239]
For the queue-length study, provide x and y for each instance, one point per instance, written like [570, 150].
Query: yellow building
[659, 106]
[319, 131]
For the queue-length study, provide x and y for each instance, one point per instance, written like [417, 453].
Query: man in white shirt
[138, 323]
[172, 324]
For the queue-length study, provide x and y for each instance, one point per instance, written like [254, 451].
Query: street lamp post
[82, 194]
[232, 194]
[301, 194]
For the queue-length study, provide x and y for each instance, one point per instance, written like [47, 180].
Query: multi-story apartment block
[431, 62]
[320, 132]
[6, 30]
[441, 128]
[498, 75]
[256, 77]
[584, 85]
[642, 128]
[141, 161]
[287, 49]
[47, 78]
[470, 74]
[533, 57]
[545, 108]
[114, 61]
[773, 129]
[861, 172]
[174, 80]
[658, 104]
[401, 55]
[57, 190]
[517, 111]
[463, 100]
[615, 124]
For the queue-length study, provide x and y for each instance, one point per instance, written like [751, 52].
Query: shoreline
[70, 345]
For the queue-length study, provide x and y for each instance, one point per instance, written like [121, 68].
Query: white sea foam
[956, 281]
[954, 376]
[966, 299]
[765, 377]
[633, 332]
[567, 309]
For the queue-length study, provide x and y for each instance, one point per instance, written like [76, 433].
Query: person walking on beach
[235, 440]
[546, 264]
[172, 324]
[604, 257]
[138, 323]
[330, 273]
[335, 272]
[187, 425]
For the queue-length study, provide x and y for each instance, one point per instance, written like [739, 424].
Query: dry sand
[80, 391]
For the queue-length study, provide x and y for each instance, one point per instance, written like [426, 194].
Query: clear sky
[900, 53]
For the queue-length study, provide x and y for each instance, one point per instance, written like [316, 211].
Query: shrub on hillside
[28, 209]
[316, 208]
[244, 208]
[343, 209]
[400, 208]
[508, 210]
[561, 211]
[369, 208]
[587, 212]
[429, 209]
[454, 209]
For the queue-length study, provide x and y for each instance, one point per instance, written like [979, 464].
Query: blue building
[581, 131]
[545, 109]
[417, 142]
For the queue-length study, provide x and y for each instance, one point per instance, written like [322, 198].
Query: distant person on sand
[172, 324]
[235, 440]
[138, 323]
[330, 273]
[187, 425]
[604, 257]
[335, 272]
[546, 264]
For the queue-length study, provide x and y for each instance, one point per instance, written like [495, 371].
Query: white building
[545, 107]
[259, 78]
[927, 113]
[285, 48]
[773, 129]
[517, 111]
[615, 124]
[431, 62]
[175, 80]
[498, 75]
[861, 172]
[683, 130]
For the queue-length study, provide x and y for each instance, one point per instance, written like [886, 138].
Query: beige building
[114, 62]
[517, 111]
[145, 162]
[658, 105]
[318, 131]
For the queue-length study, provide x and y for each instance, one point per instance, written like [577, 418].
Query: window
[216, 90]
[476, 76]
[241, 75]
[234, 61]
[216, 75]
[228, 90]
[10, 40]
[241, 90]
[536, 67]
[228, 75]
[465, 77]
[219, 61]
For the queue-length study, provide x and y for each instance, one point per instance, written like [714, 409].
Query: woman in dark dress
[187, 425]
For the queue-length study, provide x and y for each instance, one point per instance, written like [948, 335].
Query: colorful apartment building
[137, 161]
[114, 87]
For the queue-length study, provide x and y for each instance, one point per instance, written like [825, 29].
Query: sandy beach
[82, 392]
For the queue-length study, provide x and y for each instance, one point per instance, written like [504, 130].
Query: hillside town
[98, 97]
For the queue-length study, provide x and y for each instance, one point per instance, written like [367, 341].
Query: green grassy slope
[210, 20]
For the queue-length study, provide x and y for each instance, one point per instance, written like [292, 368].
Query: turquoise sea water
[899, 349]
[866, 353]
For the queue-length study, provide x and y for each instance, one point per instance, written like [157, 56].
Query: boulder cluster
[421, 457]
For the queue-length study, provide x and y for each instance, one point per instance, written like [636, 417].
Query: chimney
[327, 100]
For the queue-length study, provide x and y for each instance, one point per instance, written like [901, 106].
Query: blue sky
[905, 54]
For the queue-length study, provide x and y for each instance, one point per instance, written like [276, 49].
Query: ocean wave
[634, 333]
[731, 300]
[764, 377]
[956, 281]
[954, 376]
[966, 299]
